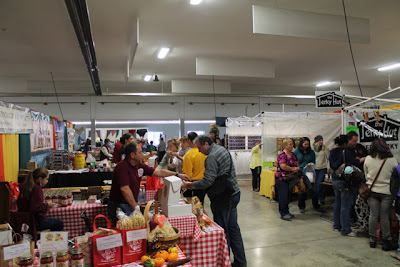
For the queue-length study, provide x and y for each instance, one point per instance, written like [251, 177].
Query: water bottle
[142, 195]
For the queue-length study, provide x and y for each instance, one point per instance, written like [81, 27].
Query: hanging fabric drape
[2, 178]
[24, 150]
[11, 156]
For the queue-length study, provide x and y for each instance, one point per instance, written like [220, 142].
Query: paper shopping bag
[134, 244]
[106, 249]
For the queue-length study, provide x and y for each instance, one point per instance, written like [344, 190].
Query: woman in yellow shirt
[255, 165]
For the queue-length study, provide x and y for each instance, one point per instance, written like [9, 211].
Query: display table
[267, 183]
[71, 216]
[78, 179]
[188, 225]
[211, 248]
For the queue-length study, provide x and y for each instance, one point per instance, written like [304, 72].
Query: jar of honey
[26, 260]
[62, 258]
[46, 259]
[77, 258]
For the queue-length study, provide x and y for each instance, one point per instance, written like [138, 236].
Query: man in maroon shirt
[126, 181]
[117, 148]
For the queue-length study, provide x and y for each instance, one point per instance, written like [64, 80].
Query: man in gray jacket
[220, 172]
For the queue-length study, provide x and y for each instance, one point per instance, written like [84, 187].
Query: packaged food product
[46, 259]
[77, 258]
[62, 258]
[26, 260]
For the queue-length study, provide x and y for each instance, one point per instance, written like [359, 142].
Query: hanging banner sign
[42, 136]
[325, 99]
[14, 119]
[71, 136]
[59, 128]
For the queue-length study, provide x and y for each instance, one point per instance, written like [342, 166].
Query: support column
[181, 127]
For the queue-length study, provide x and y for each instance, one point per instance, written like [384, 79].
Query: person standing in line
[105, 150]
[161, 150]
[255, 165]
[214, 130]
[286, 164]
[380, 200]
[219, 167]
[321, 166]
[306, 157]
[193, 166]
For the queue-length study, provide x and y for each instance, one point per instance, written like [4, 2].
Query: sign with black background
[325, 99]
[386, 126]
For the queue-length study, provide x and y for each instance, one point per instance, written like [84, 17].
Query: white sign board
[324, 99]
[53, 241]
[14, 119]
[136, 235]
[16, 251]
[107, 242]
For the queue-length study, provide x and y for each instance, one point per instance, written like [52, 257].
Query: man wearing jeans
[224, 208]
[126, 181]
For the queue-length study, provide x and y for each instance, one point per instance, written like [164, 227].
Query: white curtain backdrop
[297, 124]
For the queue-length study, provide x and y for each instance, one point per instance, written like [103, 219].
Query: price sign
[107, 242]
[53, 241]
[136, 235]
[16, 251]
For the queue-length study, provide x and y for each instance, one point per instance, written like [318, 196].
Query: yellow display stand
[267, 183]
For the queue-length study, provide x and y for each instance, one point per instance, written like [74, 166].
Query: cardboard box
[31, 165]
[171, 191]
[152, 161]
[177, 210]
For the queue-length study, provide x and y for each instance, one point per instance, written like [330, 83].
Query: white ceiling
[38, 38]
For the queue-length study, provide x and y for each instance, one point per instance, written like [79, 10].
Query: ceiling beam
[79, 15]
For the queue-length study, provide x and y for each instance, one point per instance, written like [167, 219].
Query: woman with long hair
[306, 157]
[380, 200]
[286, 164]
[31, 199]
[170, 160]
[321, 166]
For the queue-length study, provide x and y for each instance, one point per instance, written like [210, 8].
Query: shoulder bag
[353, 179]
[222, 187]
[364, 190]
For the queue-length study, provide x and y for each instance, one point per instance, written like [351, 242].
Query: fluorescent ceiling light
[323, 84]
[137, 122]
[147, 78]
[195, 2]
[163, 52]
[302, 96]
[393, 66]
[200, 121]
[81, 122]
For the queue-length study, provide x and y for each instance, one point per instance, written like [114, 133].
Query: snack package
[134, 221]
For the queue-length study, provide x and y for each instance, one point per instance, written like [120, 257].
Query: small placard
[136, 235]
[53, 241]
[108, 242]
[16, 251]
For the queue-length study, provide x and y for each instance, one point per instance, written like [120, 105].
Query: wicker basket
[165, 242]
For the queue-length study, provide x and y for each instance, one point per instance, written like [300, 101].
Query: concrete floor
[307, 240]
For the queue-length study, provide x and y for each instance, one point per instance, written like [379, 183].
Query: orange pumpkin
[162, 254]
[172, 257]
[145, 258]
[159, 261]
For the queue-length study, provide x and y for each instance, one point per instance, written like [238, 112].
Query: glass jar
[64, 201]
[26, 260]
[46, 259]
[62, 258]
[77, 258]
[70, 199]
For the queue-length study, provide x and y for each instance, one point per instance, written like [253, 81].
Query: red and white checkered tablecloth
[188, 225]
[210, 250]
[151, 195]
[71, 216]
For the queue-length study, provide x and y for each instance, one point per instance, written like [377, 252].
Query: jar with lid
[26, 260]
[64, 200]
[62, 258]
[46, 259]
[77, 258]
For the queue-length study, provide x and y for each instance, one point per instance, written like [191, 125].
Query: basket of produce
[160, 233]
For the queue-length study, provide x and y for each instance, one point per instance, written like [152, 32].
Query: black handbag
[222, 188]
[353, 179]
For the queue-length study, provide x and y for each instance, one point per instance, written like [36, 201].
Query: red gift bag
[106, 257]
[136, 247]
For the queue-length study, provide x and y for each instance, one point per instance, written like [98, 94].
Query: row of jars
[63, 197]
[63, 259]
